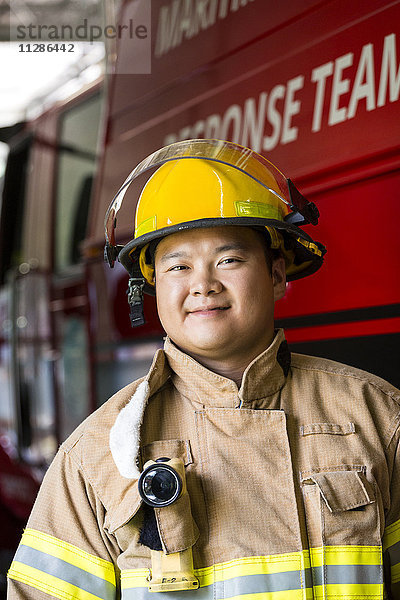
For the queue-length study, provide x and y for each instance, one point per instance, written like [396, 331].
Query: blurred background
[90, 88]
[32, 81]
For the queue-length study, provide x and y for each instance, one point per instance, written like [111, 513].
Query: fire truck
[313, 86]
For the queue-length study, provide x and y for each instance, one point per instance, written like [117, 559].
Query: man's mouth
[206, 309]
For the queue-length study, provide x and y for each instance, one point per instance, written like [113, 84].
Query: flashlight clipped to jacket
[162, 485]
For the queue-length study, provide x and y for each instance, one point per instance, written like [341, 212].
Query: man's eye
[177, 268]
[227, 261]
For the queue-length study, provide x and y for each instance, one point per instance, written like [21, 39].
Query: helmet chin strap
[135, 300]
[136, 285]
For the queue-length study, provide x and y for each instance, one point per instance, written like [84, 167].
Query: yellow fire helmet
[208, 183]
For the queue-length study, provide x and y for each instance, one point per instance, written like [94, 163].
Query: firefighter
[234, 468]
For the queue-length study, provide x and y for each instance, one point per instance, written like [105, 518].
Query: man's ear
[279, 278]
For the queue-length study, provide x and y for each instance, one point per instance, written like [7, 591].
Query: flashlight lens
[160, 485]
[164, 485]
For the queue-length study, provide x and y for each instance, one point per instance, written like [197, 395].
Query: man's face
[215, 293]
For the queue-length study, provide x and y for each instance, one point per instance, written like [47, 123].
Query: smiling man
[234, 469]
[216, 294]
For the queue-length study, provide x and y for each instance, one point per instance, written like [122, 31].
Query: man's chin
[206, 348]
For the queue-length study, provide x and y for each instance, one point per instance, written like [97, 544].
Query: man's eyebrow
[224, 248]
[232, 246]
[170, 255]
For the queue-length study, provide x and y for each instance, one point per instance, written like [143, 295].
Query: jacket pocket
[128, 502]
[176, 528]
[342, 507]
[343, 517]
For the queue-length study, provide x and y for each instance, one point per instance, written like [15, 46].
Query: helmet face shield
[257, 169]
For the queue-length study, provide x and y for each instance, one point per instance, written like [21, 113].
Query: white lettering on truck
[363, 86]
[272, 118]
[183, 19]
[261, 123]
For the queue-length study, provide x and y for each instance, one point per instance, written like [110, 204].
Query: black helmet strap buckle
[304, 212]
[135, 300]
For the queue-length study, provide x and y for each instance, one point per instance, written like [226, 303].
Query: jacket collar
[263, 377]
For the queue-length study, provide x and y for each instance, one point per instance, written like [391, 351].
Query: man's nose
[204, 282]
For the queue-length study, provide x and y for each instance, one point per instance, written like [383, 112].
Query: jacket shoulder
[88, 447]
[102, 419]
[332, 371]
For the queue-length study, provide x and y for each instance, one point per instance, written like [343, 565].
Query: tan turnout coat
[293, 482]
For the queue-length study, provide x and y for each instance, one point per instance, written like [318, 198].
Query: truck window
[12, 206]
[76, 164]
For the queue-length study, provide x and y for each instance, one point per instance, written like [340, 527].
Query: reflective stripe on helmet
[310, 246]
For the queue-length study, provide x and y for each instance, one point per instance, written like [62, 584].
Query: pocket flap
[166, 449]
[177, 528]
[120, 514]
[343, 490]
[130, 500]
[327, 428]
